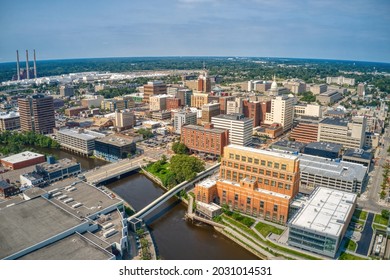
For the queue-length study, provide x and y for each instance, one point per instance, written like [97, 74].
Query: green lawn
[360, 214]
[163, 174]
[265, 229]
[346, 256]
[380, 220]
[379, 227]
[350, 245]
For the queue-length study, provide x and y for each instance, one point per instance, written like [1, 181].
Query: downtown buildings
[256, 182]
[37, 113]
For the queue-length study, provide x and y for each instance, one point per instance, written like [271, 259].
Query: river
[175, 238]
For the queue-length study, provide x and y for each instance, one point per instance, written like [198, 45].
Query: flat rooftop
[208, 183]
[263, 152]
[81, 133]
[115, 141]
[9, 115]
[73, 247]
[210, 207]
[289, 144]
[357, 153]
[326, 211]
[22, 157]
[58, 165]
[33, 221]
[91, 198]
[343, 170]
[232, 117]
[335, 121]
[201, 128]
[325, 146]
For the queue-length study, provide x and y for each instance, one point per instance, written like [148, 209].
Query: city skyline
[307, 29]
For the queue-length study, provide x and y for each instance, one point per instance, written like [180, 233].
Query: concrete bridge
[115, 169]
[160, 200]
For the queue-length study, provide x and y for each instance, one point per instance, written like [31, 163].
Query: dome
[274, 85]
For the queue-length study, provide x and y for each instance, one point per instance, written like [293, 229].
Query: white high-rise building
[282, 112]
[182, 118]
[240, 128]
[124, 119]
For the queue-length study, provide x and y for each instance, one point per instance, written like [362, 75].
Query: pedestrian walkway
[366, 236]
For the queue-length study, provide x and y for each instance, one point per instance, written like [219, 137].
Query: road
[365, 239]
[370, 199]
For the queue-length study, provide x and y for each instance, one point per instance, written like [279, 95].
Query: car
[380, 238]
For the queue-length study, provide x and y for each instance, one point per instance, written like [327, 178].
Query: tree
[179, 148]
[185, 167]
[146, 133]
[385, 214]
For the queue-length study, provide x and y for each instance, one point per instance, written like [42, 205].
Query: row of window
[269, 173]
[270, 164]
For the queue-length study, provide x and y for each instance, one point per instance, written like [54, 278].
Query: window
[268, 173]
[269, 164]
[284, 167]
[234, 176]
[275, 174]
[248, 168]
[248, 200]
[280, 185]
[276, 165]
[236, 165]
[242, 167]
[261, 171]
[254, 169]
[243, 158]
[229, 164]
[231, 156]
[237, 157]
[275, 207]
[273, 183]
[235, 197]
[261, 204]
[256, 161]
[224, 193]
[240, 176]
[263, 162]
[260, 180]
[281, 176]
[287, 186]
[250, 159]
[266, 182]
[289, 177]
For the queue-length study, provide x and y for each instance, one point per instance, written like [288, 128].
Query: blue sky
[334, 29]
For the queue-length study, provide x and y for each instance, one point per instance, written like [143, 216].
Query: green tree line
[12, 142]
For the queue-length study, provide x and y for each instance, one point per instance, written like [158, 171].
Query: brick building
[173, 103]
[22, 160]
[208, 140]
[154, 88]
[256, 182]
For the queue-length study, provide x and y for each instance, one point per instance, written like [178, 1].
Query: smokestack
[17, 65]
[35, 66]
[27, 70]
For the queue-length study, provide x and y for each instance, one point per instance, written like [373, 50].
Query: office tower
[154, 88]
[124, 119]
[204, 83]
[198, 99]
[182, 118]
[37, 113]
[252, 110]
[349, 134]
[66, 90]
[185, 96]
[208, 111]
[282, 112]
[361, 90]
[158, 102]
[240, 128]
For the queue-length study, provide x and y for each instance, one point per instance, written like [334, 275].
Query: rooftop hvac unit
[109, 233]
[62, 197]
[71, 189]
[68, 200]
[77, 205]
[107, 226]
[53, 190]
[57, 194]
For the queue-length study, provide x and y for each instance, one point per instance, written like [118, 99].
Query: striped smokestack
[27, 69]
[35, 66]
[17, 65]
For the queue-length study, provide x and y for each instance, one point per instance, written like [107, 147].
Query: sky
[329, 29]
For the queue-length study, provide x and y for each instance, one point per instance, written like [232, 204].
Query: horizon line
[203, 56]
